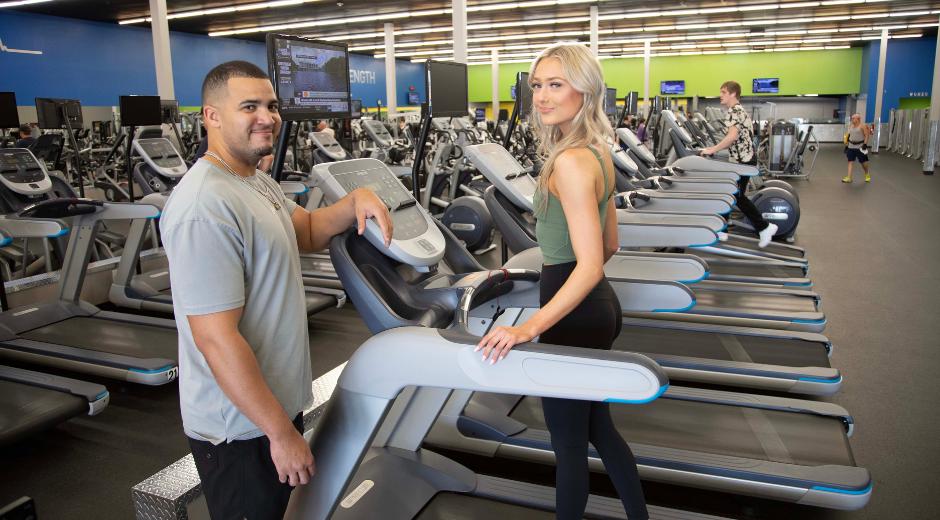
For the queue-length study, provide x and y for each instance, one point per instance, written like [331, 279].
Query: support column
[646, 76]
[459, 19]
[391, 101]
[879, 89]
[494, 71]
[933, 135]
[160, 31]
[594, 30]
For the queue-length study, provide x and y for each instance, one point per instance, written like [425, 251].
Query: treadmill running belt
[114, 337]
[453, 506]
[25, 409]
[755, 269]
[737, 240]
[708, 345]
[796, 438]
[743, 302]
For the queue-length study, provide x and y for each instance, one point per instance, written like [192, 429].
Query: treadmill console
[328, 145]
[633, 142]
[160, 155]
[378, 133]
[623, 160]
[22, 173]
[504, 171]
[416, 240]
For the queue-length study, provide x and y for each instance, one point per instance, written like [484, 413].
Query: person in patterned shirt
[739, 140]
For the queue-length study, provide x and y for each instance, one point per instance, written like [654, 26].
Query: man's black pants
[746, 206]
[239, 479]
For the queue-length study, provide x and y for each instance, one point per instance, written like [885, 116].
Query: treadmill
[32, 401]
[694, 167]
[151, 290]
[370, 463]
[720, 302]
[72, 334]
[771, 447]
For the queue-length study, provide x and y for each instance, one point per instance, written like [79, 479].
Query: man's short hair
[25, 131]
[733, 87]
[218, 77]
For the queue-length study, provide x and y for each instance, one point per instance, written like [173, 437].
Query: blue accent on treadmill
[154, 371]
[6, 241]
[697, 280]
[810, 321]
[689, 307]
[863, 491]
[61, 233]
[705, 245]
[822, 380]
[726, 212]
[101, 396]
[155, 216]
[662, 390]
[799, 284]
[725, 227]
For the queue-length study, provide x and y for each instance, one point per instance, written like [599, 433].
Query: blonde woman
[577, 233]
[856, 147]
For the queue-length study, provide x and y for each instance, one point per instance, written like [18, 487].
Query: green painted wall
[914, 103]
[800, 72]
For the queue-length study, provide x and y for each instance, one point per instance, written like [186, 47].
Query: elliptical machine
[775, 199]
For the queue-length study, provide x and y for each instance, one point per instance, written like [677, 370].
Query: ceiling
[519, 29]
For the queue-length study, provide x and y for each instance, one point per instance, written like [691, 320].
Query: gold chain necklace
[266, 194]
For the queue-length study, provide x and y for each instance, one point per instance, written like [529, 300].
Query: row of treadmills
[720, 312]
[741, 326]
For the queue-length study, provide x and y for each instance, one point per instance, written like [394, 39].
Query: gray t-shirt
[228, 248]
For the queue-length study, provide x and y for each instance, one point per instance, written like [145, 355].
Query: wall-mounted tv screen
[672, 87]
[479, 114]
[413, 98]
[311, 77]
[512, 92]
[766, 86]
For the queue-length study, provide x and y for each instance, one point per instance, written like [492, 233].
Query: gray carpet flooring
[873, 251]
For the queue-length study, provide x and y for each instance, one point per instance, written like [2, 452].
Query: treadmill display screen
[49, 113]
[447, 89]
[355, 108]
[171, 111]
[610, 105]
[766, 86]
[8, 116]
[311, 77]
[141, 110]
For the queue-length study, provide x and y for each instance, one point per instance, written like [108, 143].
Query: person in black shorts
[856, 147]
[576, 227]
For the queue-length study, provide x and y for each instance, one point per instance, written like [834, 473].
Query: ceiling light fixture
[221, 10]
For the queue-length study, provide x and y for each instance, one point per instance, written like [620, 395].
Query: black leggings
[747, 207]
[594, 323]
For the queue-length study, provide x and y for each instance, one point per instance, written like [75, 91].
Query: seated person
[26, 137]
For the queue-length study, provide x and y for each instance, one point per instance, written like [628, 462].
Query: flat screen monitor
[447, 89]
[630, 102]
[51, 113]
[672, 87]
[8, 115]
[610, 104]
[766, 86]
[170, 109]
[524, 97]
[413, 98]
[479, 114]
[311, 77]
[512, 92]
[355, 108]
[140, 110]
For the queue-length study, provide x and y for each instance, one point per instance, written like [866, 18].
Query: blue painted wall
[98, 62]
[908, 69]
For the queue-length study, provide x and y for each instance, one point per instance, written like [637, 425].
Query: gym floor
[872, 250]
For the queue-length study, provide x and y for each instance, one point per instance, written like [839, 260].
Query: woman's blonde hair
[590, 126]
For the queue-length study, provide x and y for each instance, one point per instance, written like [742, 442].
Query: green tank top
[551, 226]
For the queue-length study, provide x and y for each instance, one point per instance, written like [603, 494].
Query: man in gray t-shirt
[233, 242]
